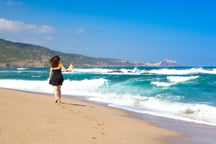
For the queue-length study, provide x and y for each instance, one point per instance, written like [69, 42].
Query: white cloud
[17, 26]
[13, 3]
[79, 31]
[49, 38]
[31, 41]
[42, 29]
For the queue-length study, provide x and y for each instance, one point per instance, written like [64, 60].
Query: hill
[165, 62]
[15, 54]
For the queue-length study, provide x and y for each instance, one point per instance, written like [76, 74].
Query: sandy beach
[35, 119]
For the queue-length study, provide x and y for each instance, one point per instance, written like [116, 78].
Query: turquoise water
[184, 93]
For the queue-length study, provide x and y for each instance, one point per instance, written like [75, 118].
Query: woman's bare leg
[59, 93]
[56, 93]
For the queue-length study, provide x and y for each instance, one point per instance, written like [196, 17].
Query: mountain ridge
[17, 54]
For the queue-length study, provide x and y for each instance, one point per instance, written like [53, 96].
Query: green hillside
[15, 54]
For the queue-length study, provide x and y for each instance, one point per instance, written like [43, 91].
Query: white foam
[27, 85]
[162, 71]
[172, 80]
[21, 69]
[91, 70]
[177, 79]
[83, 87]
[166, 71]
[198, 113]
[163, 84]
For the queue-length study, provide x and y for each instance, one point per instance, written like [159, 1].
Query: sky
[133, 30]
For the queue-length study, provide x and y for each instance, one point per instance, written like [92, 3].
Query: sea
[180, 93]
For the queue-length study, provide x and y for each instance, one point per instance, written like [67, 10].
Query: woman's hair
[54, 61]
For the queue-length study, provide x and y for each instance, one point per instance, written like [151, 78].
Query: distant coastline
[16, 54]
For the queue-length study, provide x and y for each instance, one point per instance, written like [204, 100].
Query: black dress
[57, 78]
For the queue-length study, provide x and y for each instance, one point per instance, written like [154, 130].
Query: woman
[55, 76]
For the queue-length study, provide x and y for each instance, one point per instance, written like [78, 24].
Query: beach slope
[35, 119]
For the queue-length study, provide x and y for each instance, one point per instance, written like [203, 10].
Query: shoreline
[192, 133]
[178, 131]
[34, 118]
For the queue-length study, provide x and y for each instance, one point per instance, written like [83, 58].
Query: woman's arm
[50, 73]
[71, 67]
[64, 69]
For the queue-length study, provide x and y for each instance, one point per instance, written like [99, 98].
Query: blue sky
[134, 30]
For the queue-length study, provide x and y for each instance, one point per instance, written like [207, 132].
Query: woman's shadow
[75, 104]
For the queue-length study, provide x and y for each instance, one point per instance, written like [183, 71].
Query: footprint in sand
[64, 106]
[99, 125]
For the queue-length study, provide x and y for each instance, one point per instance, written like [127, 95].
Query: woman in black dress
[55, 76]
